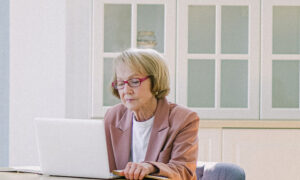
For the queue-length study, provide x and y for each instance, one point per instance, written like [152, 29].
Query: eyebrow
[129, 77]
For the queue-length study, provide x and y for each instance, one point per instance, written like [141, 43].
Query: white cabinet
[218, 58]
[280, 57]
[263, 153]
[210, 145]
[228, 59]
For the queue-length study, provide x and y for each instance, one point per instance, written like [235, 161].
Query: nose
[127, 89]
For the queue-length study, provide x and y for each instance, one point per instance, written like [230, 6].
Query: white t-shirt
[140, 139]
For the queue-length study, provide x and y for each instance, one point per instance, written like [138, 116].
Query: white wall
[37, 72]
[78, 60]
[50, 68]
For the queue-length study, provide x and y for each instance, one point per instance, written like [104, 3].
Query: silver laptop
[72, 147]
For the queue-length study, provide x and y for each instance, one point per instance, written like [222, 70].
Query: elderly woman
[146, 134]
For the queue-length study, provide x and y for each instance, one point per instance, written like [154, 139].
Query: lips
[129, 100]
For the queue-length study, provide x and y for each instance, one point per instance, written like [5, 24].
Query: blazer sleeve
[111, 158]
[183, 158]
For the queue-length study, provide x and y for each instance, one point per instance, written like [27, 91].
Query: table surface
[31, 176]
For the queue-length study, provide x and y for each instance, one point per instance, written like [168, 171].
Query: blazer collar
[159, 130]
[126, 121]
[157, 138]
[122, 139]
[160, 121]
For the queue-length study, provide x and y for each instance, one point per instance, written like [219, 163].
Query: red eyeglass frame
[126, 82]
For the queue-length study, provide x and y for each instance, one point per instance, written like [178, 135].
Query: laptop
[72, 147]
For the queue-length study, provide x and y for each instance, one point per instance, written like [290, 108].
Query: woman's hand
[138, 170]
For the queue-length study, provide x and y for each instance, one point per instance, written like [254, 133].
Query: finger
[127, 169]
[131, 171]
[137, 172]
[142, 174]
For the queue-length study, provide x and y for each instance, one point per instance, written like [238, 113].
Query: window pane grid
[280, 57]
[114, 39]
[214, 53]
[234, 29]
[199, 15]
[108, 98]
[132, 14]
[201, 83]
[221, 55]
[286, 40]
[150, 29]
[234, 83]
[285, 84]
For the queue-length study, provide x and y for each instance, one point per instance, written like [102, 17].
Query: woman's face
[134, 98]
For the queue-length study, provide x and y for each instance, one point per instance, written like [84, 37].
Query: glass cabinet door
[280, 59]
[150, 26]
[117, 27]
[122, 24]
[218, 58]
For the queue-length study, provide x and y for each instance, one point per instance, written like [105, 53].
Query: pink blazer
[173, 143]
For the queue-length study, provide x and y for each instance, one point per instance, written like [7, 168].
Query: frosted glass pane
[201, 83]
[150, 28]
[202, 29]
[234, 32]
[286, 30]
[285, 84]
[108, 98]
[117, 27]
[234, 83]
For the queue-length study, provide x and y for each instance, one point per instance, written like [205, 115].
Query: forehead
[123, 71]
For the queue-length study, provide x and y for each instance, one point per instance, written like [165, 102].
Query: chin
[130, 106]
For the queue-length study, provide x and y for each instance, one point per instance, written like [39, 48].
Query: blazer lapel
[159, 130]
[121, 139]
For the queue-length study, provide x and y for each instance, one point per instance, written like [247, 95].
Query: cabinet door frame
[267, 112]
[263, 153]
[98, 54]
[252, 111]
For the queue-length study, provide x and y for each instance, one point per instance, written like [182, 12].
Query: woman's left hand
[138, 170]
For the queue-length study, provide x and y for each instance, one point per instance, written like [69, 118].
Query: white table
[31, 176]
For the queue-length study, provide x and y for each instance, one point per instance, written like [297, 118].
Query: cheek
[121, 94]
[146, 93]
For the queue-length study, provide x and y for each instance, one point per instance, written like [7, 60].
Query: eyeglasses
[135, 82]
